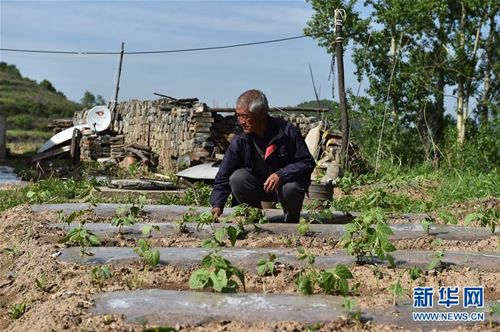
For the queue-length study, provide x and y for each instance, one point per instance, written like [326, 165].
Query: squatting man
[267, 160]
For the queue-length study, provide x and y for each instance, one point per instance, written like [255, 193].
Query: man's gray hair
[254, 100]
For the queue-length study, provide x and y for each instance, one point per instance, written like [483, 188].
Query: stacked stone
[171, 131]
[201, 126]
[58, 125]
[116, 147]
[223, 130]
[304, 123]
[95, 146]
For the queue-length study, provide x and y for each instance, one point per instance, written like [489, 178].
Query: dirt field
[64, 302]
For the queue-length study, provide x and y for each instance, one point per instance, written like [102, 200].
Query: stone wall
[174, 131]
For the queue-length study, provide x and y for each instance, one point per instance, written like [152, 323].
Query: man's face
[249, 121]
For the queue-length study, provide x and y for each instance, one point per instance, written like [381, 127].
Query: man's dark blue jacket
[290, 158]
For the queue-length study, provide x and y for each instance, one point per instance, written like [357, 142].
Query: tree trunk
[473, 67]
[439, 94]
[484, 104]
[342, 95]
[461, 116]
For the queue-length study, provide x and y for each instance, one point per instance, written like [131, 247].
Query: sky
[216, 77]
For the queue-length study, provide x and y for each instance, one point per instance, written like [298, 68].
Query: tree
[413, 52]
[89, 100]
[47, 86]
[99, 100]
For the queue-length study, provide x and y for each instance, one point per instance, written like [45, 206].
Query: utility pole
[339, 16]
[115, 102]
[119, 75]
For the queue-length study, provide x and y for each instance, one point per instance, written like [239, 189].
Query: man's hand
[216, 211]
[272, 183]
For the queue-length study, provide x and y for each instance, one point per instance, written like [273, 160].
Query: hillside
[28, 104]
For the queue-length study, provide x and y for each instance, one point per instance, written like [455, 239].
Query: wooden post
[339, 15]
[75, 146]
[113, 105]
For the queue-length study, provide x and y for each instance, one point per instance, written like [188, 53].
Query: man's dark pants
[249, 188]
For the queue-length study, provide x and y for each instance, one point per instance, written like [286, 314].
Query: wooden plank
[51, 153]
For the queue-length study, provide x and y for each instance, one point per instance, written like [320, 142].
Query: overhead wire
[160, 52]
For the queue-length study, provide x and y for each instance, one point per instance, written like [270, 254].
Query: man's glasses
[243, 116]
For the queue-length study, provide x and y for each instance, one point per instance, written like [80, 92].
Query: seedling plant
[445, 216]
[328, 280]
[367, 235]
[266, 265]
[414, 273]
[42, 284]
[247, 215]
[397, 290]
[349, 305]
[99, 274]
[438, 256]
[17, 310]
[206, 218]
[489, 217]
[126, 216]
[217, 272]
[148, 256]
[83, 237]
[494, 309]
[148, 230]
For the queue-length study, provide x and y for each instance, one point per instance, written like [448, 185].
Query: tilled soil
[64, 302]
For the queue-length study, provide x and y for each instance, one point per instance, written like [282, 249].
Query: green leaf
[240, 275]
[219, 280]
[219, 235]
[104, 271]
[305, 285]
[388, 247]
[207, 262]
[262, 270]
[270, 266]
[199, 279]
[207, 243]
[343, 272]
[303, 228]
[391, 261]
[350, 227]
[384, 228]
[231, 287]
[472, 217]
[350, 248]
[116, 221]
[415, 272]
[143, 245]
[261, 261]
[233, 234]
[434, 262]
[447, 217]
[328, 281]
[495, 308]
[349, 304]
[146, 230]
[152, 257]
[94, 240]
[71, 217]
[301, 250]
[396, 289]
[343, 287]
